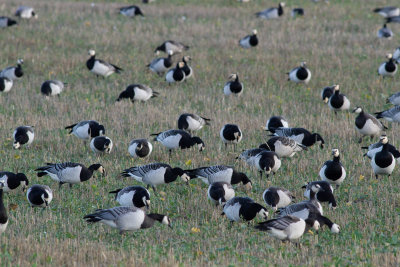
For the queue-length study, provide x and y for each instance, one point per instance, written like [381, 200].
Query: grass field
[338, 40]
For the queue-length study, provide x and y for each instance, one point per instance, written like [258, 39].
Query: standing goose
[243, 208]
[52, 88]
[191, 122]
[268, 162]
[69, 173]
[12, 181]
[377, 147]
[126, 218]
[101, 144]
[277, 197]
[176, 74]
[220, 192]
[6, 22]
[140, 148]
[131, 11]
[3, 211]
[283, 146]
[26, 12]
[272, 13]
[186, 68]
[86, 129]
[394, 99]
[275, 122]
[325, 194]
[366, 124]
[233, 86]
[231, 133]
[327, 92]
[5, 84]
[333, 171]
[300, 135]
[175, 47]
[249, 41]
[162, 64]
[155, 174]
[220, 173]
[13, 73]
[137, 92]
[391, 115]
[132, 196]
[23, 135]
[174, 139]
[383, 162]
[100, 67]
[385, 32]
[389, 68]
[338, 101]
[39, 195]
[387, 11]
[300, 74]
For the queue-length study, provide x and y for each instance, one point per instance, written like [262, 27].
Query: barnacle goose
[383, 161]
[132, 196]
[338, 101]
[249, 41]
[3, 211]
[174, 46]
[101, 144]
[231, 133]
[127, 218]
[376, 147]
[69, 172]
[39, 195]
[325, 194]
[186, 68]
[140, 148]
[176, 74]
[86, 129]
[5, 84]
[131, 11]
[389, 68]
[300, 74]
[23, 135]
[220, 192]
[297, 12]
[391, 115]
[277, 197]
[272, 13]
[25, 12]
[162, 64]
[387, 11]
[7, 22]
[155, 174]
[327, 92]
[283, 146]
[12, 181]
[174, 139]
[276, 122]
[13, 73]
[100, 67]
[137, 92]
[192, 122]
[394, 99]
[220, 173]
[301, 136]
[243, 208]
[233, 86]
[366, 124]
[385, 32]
[333, 171]
[268, 162]
[52, 87]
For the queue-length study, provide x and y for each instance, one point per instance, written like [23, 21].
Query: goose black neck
[156, 217]
[336, 159]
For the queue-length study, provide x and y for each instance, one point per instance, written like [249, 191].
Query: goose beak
[170, 226]
[47, 204]
[147, 204]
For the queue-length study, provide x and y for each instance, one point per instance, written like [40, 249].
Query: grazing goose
[300, 135]
[391, 115]
[86, 129]
[52, 87]
[287, 228]
[268, 162]
[220, 173]
[377, 147]
[132, 196]
[155, 174]
[5, 84]
[389, 68]
[333, 171]
[249, 155]
[272, 13]
[388, 11]
[283, 146]
[175, 47]
[243, 208]
[101, 144]
[297, 12]
[162, 64]
[383, 161]
[69, 173]
[100, 67]
[131, 11]
[6, 22]
[176, 74]
[249, 41]
[277, 197]
[394, 99]
[233, 86]
[3, 211]
[25, 12]
[137, 92]
[338, 101]
[300, 74]
[186, 68]
[12, 181]
[220, 192]
[23, 135]
[191, 122]
[385, 32]
[325, 194]
[140, 148]
[13, 73]
[39, 195]
[127, 218]
[276, 122]
[230, 133]
[302, 209]
[366, 124]
[327, 92]
[395, 19]
[174, 139]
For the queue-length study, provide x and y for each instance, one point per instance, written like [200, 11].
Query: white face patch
[201, 147]
[263, 214]
[316, 225]
[92, 52]
[335, 228]
[16, 145]
[185, 177]
[165, 220]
